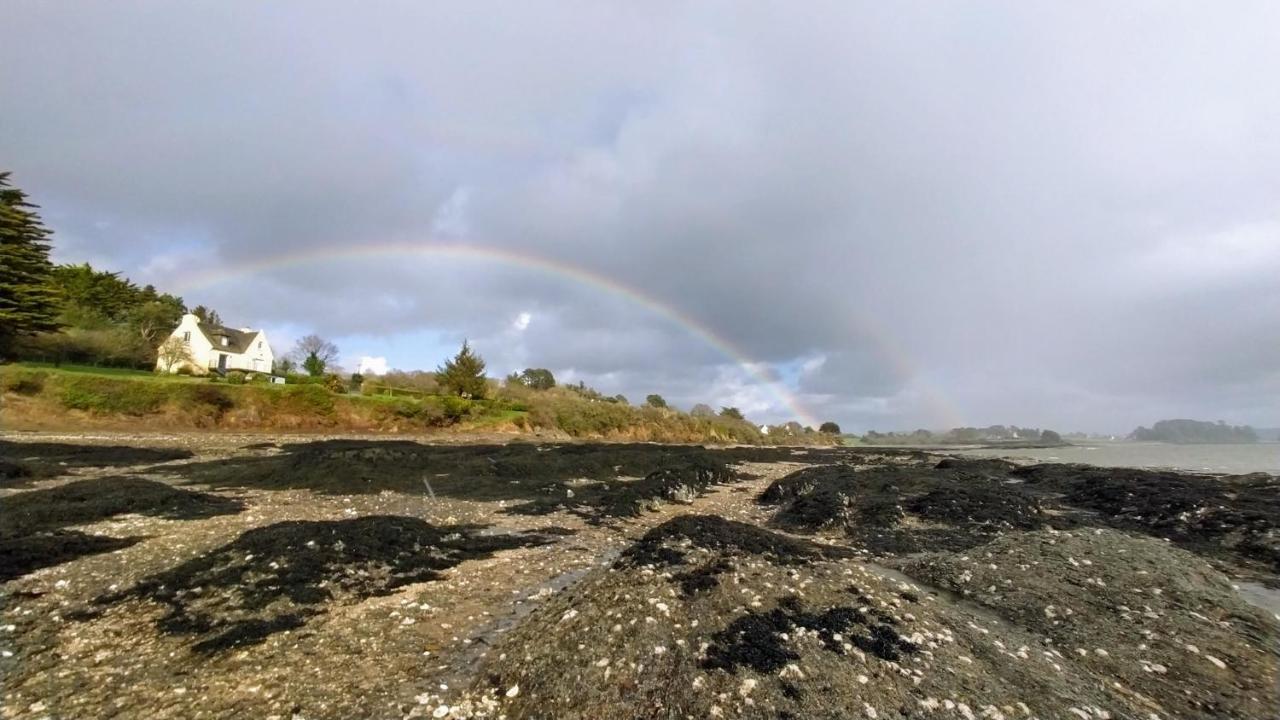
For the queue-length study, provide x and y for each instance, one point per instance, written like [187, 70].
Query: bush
[456, 408]
[186, 370]
[334, 384]
[22, 381]
[429, 413]
[235, 377]
[307, 399]
[212, 397]
[592, 418]
[106, 395]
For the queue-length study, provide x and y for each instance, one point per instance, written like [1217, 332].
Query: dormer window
[224, 341]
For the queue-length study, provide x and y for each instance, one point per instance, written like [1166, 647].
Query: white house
[216, 348]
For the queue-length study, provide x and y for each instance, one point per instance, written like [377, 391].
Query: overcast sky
[1061, 214]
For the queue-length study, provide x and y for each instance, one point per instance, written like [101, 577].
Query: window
[259, 344]
[224, 342]
[186, 336]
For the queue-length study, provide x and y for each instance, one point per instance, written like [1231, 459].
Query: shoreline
[384, 577]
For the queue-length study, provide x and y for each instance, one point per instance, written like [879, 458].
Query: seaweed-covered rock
[273, 578]
[896, 508]
[1157, 618]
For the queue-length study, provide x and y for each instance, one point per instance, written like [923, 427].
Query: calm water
[1257, 457]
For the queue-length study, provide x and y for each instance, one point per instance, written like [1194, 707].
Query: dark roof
[238, 341]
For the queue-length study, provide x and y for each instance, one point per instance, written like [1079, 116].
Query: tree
[463, 375]
[621, 399]
[28, 304]
[731, 413]
[209, 316]
[284, 366]
[538, 378]
[173, 353]
[702, 410]
[655, 400]
[829, 427]
[155, 318]
[93, 298]
[1049, 436]
[314, 354]
[314, 364]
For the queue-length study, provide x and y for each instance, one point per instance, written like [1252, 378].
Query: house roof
[238, 341]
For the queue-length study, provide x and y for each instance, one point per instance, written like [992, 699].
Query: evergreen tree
[208, 316]
[830, 428]
[28, 304]
[94, 298]
[464, 374]
[655, 400]
[314, 364]
[731, 413]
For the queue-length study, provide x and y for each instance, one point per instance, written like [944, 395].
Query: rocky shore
[221, 576]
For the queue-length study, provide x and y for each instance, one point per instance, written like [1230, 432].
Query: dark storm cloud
[1033, 214]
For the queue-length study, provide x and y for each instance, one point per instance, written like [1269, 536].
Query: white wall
[189, 329]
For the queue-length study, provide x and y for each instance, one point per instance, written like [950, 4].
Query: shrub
[22, 381]
[185, 370]
[235, 377]
[582, 418]
[456, 408]
[212, 397]
[334, 384]
[307, 399]
[429, 413]
[107, 395]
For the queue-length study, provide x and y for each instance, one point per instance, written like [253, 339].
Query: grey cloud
[973, 202]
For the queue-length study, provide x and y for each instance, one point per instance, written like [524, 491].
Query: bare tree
[315, 354]
[173, 352]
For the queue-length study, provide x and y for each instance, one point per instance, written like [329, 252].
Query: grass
[112, 372]
[80, 395]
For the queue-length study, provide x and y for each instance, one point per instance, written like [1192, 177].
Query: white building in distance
[214, 348]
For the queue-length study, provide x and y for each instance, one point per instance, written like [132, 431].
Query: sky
[891, 215]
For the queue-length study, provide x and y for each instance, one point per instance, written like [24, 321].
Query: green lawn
[107, 372]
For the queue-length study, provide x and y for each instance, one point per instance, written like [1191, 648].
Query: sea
[1228, 459]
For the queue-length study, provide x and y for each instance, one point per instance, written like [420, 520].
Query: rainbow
[886, 344]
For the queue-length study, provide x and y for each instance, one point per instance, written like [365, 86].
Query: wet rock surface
[357, 577]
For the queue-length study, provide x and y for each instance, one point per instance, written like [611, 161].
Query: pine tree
[28, 304]
[464, 374]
